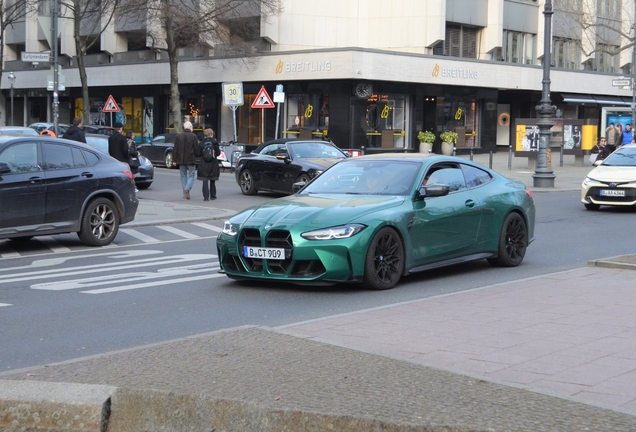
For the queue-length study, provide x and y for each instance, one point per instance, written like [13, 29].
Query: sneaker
[187, 193]
[206, 199]
[212, 198]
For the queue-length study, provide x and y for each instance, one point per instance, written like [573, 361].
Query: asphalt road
[63, 309]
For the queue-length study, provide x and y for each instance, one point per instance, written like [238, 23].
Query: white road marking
[10, 255]
[207, 226]
[5, 304]
[52, 244]
[139, 236]
[178, 232]
[156, 283]
[124, 278]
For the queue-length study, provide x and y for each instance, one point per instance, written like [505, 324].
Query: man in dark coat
[118, 144]
[75, 132]
[184, 148]
[208, 172]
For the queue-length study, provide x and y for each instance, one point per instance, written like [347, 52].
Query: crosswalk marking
[208, 226]
[52, 244]
[178, 232]
[4, 304]
[10, 255]
[154, 283]
[139, 236]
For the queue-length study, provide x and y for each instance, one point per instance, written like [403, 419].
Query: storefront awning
[578, 98]
[610, 100]
[600, 100]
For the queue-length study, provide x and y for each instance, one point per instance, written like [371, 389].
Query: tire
[100, 223]
[591, 206]
[168, 160]
[246, 181]
[303, 178]
[384, 263]
[513, 242]
[143, 186]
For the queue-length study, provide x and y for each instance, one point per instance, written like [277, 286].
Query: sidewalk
[549, 353]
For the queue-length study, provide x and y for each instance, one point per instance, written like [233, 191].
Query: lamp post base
[543, 179]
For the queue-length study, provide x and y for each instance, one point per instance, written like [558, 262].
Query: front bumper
[591, 194]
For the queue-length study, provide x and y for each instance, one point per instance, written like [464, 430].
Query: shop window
[459, 115]
[307, 115]
[381, 121]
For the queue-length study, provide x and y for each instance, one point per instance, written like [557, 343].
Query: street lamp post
[11, 81]
[543, 175]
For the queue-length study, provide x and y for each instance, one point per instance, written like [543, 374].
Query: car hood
[315, 211]
[613, 173]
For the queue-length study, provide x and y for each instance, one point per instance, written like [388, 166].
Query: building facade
[363, 73]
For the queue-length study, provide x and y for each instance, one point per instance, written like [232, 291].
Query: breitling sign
[454, 72]
[306, 66]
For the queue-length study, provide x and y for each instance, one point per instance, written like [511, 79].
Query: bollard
[454, 151]
[561, 156]
[362, 150]
[490, 160]
[509, 157]
[471, 153]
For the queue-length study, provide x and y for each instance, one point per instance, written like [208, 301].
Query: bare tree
[12, 12]
[90, 18]
[226, 26]
[606, 26]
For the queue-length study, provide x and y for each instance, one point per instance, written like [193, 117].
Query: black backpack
[208, 152]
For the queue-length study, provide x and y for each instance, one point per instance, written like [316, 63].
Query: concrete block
[49, 406]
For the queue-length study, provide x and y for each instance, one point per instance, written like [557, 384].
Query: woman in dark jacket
[208, 171]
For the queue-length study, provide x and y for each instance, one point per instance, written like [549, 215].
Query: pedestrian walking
[118, 144]
[75, 132]
[208, 170]
[627, 134]
[133, 159]
[184, 147]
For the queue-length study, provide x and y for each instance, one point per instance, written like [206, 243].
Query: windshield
[309, 150]
[621, 157]
[366, 177]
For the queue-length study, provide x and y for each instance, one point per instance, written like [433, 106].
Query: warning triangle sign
[262, 100]
[111, 105]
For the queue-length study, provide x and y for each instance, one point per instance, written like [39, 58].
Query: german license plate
[613, 192]
[264, 253]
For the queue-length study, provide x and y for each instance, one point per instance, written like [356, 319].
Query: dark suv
[52, 186]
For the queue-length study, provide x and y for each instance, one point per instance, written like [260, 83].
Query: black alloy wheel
[513, 242]
[384, 263]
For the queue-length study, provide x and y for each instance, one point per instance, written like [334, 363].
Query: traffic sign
[233, 94]
[262, 100]
[36, 57]
[621, 82]
[279, 97]
[110, 105]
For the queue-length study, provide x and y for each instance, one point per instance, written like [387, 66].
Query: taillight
[529, 194]
[129, 174]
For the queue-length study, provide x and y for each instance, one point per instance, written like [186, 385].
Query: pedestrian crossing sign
[110, 105]
[262, 100]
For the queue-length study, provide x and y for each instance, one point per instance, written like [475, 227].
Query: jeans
[187, 173]
[209, 191]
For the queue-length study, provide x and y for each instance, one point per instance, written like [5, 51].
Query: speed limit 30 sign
[233, 94]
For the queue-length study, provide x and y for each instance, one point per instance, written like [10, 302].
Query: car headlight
[339, 232]
[229, 228]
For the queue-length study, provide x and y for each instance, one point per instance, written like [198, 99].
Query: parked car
[18, 130]
[159, 150]
[39, 127]
[146, 172]
[96, 129]
[52, 186]
[373, 219]
[276, 165]
[613, 181]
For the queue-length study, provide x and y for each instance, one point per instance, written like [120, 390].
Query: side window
[274, 149]
[91, 157]
[21, 157]
[56, 156]
[450, 175]
[78, 159]
[475, 176]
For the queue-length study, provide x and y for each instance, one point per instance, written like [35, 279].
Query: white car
[613, 181]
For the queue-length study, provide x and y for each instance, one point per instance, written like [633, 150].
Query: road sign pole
[262, 125]
[277, 117]
[233, 108]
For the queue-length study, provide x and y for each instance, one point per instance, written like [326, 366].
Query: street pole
[633, 90]
[11, 81]
[56, 102]
[543, 175]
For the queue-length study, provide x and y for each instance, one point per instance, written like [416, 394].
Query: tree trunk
[175, 97]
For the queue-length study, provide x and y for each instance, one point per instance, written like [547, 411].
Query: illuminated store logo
[308, 66]
[455, 72]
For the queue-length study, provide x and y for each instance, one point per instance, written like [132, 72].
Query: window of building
[604, 60]
[566, 53]
[608, 8]
[517, 47]
[461, 41]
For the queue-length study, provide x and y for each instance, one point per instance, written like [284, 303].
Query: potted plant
[449, 140]
[426, 138]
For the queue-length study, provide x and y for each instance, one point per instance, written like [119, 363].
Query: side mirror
[4, 168]
[296, 187]
[433, 190]
[283, 157]
[598, 162]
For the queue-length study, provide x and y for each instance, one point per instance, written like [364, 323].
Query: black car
[53, 186]
[276, 165]
[146, 172]
[159, 150]
[102, 130]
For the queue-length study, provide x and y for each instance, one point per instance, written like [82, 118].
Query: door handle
[87, 174]
[35, 179]
[469, 203]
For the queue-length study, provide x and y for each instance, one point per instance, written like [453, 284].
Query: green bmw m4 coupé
[373, 219]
